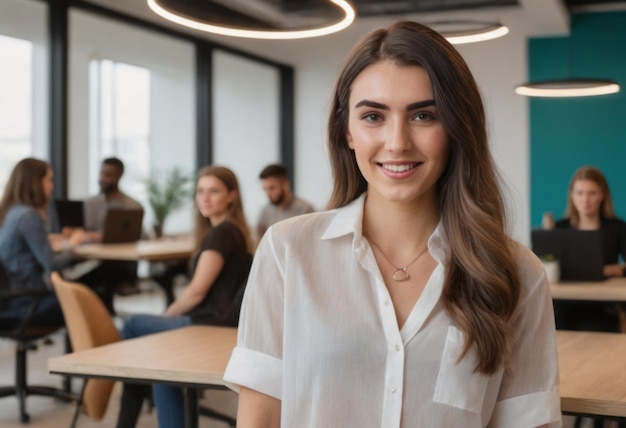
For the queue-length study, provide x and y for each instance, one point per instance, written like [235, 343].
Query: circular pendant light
[568, 88]
[172, 15]
[460, 32]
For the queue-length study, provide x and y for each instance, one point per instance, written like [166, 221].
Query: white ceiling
[531, 18]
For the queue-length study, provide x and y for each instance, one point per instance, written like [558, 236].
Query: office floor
[51, 413]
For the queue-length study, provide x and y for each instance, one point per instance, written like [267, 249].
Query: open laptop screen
[69, 213]
[122, 225]
[580, 253]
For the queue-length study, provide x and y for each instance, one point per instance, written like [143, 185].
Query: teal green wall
[568, 133]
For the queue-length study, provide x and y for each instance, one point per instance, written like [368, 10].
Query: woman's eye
[371, 117]
[423, 115]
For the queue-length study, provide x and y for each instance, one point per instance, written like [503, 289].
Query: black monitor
[69, 213]
[580, 253]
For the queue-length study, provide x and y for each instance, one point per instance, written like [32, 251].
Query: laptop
[580, 253]
[122, 225]
[69, 213]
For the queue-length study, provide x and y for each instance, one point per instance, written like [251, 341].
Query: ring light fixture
[460, 32]
[348, 11]
[568, 88]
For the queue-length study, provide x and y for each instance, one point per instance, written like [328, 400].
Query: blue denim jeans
[167, 399]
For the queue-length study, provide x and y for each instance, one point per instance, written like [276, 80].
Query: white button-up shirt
[318, 331]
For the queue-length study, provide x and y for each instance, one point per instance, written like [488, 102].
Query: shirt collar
[349, 219]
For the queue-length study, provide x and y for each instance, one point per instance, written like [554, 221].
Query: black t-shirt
[614, 233]
[217, 306]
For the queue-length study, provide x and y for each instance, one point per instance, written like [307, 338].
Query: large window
[23, 84]
[246, 122]
[132, 95]
[15, 104]
[120, 121]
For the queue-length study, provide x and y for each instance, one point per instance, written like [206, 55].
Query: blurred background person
[110, 196]
[25, 244]
[590, 207]
[221, 266]
[110, 275]
[282, 202]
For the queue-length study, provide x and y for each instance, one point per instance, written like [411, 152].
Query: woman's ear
[232, 195]
[349, 140]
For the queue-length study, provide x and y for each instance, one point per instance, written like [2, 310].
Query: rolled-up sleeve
[256, 362]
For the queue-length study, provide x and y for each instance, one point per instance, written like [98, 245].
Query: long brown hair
[589, 173]
[235, 210]
[25, 186]
[481, 288]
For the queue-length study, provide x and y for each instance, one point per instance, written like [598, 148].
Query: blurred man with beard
[110, 275]
[282, 202]
[110, 196]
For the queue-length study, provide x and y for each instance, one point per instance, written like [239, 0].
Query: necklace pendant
[400, 275]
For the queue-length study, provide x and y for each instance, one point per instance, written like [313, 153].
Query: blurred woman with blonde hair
[220, 267]
[590, 207]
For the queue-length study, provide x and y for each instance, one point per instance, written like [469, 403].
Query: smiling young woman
[402, 304]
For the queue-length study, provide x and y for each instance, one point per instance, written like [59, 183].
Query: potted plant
[166, 193]
[552, 267]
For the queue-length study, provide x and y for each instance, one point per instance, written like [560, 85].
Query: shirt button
[393, 389]
[386, 302]
[398, 348]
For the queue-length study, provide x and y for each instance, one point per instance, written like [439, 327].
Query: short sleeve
[225, 239]
[256, 362]
[529, 394]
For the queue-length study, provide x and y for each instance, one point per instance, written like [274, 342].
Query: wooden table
[191, 358]
[154, 250]
[593, 373]
[592, 366]
[611, 290]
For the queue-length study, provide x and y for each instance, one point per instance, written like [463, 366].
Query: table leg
[191, 407]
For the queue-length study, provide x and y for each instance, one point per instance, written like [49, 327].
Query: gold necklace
[400, 274]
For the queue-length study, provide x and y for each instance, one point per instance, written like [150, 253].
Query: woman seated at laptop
[25, 248]
[589, 207]
[221, 266]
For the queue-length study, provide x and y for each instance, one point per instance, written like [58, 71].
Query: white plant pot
[553, 270]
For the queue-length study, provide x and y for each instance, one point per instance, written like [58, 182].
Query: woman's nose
[398, 138]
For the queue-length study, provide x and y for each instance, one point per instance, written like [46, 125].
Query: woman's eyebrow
[372, 104]
[420, 104]
[410, 107]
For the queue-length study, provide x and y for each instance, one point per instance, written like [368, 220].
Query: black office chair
[23, 334]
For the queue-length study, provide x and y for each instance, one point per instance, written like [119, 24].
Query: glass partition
[246, 123]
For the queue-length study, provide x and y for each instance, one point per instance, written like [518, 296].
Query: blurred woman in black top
[589, 207]
[221, 264]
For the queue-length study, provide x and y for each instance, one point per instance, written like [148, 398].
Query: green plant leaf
[167, 192]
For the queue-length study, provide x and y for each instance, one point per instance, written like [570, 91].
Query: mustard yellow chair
[89, 324]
